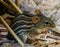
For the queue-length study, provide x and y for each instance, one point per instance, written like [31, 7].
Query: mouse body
[24, 25]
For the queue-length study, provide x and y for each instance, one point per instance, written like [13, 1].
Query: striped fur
[23, 24]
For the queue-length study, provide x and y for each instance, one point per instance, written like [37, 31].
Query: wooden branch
[15, 6]
[7, 6]
[17, 3]
[12, 32]
[12, 7]
[7, 16]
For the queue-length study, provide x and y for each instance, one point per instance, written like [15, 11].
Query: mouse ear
[35, 19]
[37, 11]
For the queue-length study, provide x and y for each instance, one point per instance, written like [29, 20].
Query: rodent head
[42, 23]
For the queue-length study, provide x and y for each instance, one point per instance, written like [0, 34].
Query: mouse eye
[46, 22]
